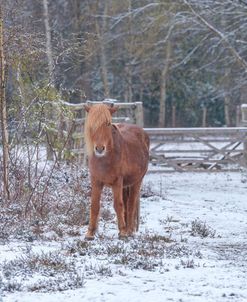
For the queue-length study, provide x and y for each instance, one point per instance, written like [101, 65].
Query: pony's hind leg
[126, 191]
[94, 211]
[133, 208]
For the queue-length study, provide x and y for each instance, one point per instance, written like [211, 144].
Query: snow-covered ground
[192, 246]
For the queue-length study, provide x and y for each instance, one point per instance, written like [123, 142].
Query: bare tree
[163, 84]
[3, 112]
[103, 62]
[48, 41]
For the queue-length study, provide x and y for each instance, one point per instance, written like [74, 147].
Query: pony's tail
[126, 195]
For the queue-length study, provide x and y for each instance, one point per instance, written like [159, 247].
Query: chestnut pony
[118, 157]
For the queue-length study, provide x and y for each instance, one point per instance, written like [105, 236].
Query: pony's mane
[98, 116]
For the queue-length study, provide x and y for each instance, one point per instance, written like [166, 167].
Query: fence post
[245, 151]
[139, 114]
[244, 123]
[244, 114]
[204, 117]
[238, 116]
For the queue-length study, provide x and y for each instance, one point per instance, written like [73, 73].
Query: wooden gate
[198, 149]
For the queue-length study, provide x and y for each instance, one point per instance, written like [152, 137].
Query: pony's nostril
[100, 149]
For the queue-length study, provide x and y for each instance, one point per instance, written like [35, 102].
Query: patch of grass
[147, 264]
[146, 251]
[188, 264]
[48, 264]
[149, 237]
[106, 214]
[61, 283]
[11, 286]
[102, 270]
[115, 249]
[139, 261]
[80, 247]
[147, 190]
[178, 251]
[58, 273]
[201, 229]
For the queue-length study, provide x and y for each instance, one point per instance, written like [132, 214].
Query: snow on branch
[221, 35]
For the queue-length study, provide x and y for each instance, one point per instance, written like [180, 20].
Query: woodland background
[186, 61]
[180, 58]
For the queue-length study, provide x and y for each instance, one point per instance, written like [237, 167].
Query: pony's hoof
[122, 235]
[131, 234]
[89, 237]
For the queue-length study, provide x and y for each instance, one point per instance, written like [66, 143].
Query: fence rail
[179, 149]
[198, 149]
[66, 137]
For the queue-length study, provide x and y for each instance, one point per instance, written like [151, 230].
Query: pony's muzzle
[99, 150]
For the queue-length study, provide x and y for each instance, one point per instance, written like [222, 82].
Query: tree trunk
[3, 115]
[128, 94]
[204, 117]
[238, 116]
[227, 111]
[128, 68]
[243, 94]
[50, 62]
[103, 61]
[163, 83]
[48, 42]
[173, 116]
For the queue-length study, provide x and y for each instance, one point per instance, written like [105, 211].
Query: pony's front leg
[94, 211]
[117, 189]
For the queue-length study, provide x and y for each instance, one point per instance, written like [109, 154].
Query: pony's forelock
[98, 116]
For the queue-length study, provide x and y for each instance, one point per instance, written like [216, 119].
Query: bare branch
[234, 52]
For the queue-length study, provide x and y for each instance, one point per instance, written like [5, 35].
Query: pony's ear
[87, 108]
[113, 109]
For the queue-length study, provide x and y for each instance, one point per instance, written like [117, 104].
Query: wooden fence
[198, 149]
[179, 149]
[65, 137]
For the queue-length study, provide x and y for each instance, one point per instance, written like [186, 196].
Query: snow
[192, 268]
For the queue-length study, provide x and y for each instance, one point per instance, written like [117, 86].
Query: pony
[118, 156]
